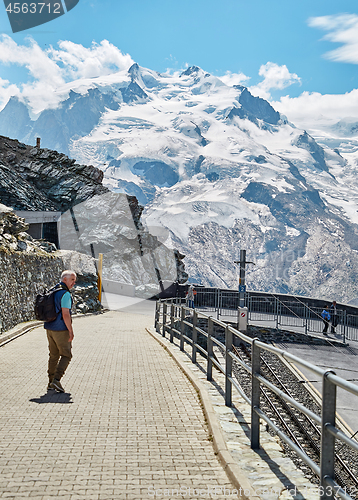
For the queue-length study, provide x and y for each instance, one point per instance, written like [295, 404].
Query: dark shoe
[49, 387]
[55, 384]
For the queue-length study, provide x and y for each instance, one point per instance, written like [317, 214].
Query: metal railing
[176, 319]
[280, 311]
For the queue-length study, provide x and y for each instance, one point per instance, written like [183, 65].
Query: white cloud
[7, 90]
[314, 110]
[275, 78]
[342, 29]
[81, 62]
[50, 69]
[231, 79]
[44, 74]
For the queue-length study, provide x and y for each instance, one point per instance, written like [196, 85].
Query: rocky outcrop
[33, 178]
[254, 108]
[28, 266]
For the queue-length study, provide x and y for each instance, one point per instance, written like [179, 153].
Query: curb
[19, 330]
[233, 471]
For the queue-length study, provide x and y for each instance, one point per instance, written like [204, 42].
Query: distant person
[326, 317]
[60, 332]
[334, 316]
[190, 296]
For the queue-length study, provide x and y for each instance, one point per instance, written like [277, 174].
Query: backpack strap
[59, 288]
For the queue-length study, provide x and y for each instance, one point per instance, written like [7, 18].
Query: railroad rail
[195, 328]
[300, 428]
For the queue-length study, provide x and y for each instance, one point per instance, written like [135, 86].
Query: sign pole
[242, 311]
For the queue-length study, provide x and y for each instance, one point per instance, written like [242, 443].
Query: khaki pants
[60, 353]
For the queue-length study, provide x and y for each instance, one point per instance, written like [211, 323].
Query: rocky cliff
[33, 178]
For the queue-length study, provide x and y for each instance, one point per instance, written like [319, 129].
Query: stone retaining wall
[23, 276]
[28, 267]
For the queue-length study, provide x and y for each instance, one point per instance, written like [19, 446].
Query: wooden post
[99, 281]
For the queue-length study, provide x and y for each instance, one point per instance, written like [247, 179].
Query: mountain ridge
[217, 169]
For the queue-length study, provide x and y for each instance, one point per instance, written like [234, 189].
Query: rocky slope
[33, 178]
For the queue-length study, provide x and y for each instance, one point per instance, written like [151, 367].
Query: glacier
[217, 170]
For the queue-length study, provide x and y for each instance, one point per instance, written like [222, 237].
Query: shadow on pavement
[53, 397]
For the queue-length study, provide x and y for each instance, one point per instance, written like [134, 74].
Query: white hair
[67, 274]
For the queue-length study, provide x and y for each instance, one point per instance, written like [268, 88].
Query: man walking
[60, 332]
[334, 316]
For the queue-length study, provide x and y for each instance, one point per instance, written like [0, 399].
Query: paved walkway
[130, 425]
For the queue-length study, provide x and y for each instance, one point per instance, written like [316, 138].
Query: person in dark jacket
[60, 332]
[334, 316]
[326, 317]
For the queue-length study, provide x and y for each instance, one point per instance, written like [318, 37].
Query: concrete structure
[42, 224]
[115, 287]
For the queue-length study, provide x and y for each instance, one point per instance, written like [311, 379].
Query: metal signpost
[242, 311]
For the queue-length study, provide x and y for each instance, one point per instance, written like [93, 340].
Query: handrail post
[157, 316]
[306, 318]
[329, 390]
[164, 318]
[255, 395]
[209, 371]
[228, 367]
[344, 326]
[171, 321]
[182, 317]
[218, 305]
[194, 336]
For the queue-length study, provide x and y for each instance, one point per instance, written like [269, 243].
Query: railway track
[300, 428]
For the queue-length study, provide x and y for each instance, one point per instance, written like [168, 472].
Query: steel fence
[176, 319]
[350, 324]
[273, 310]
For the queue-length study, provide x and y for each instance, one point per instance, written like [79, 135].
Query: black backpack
[45, 309]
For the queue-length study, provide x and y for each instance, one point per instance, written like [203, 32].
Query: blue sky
[277, 47]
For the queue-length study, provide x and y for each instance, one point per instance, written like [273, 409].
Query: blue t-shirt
[66, 300]
[62, 299]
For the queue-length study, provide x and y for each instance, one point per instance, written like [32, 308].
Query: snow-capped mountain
[218, 170]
